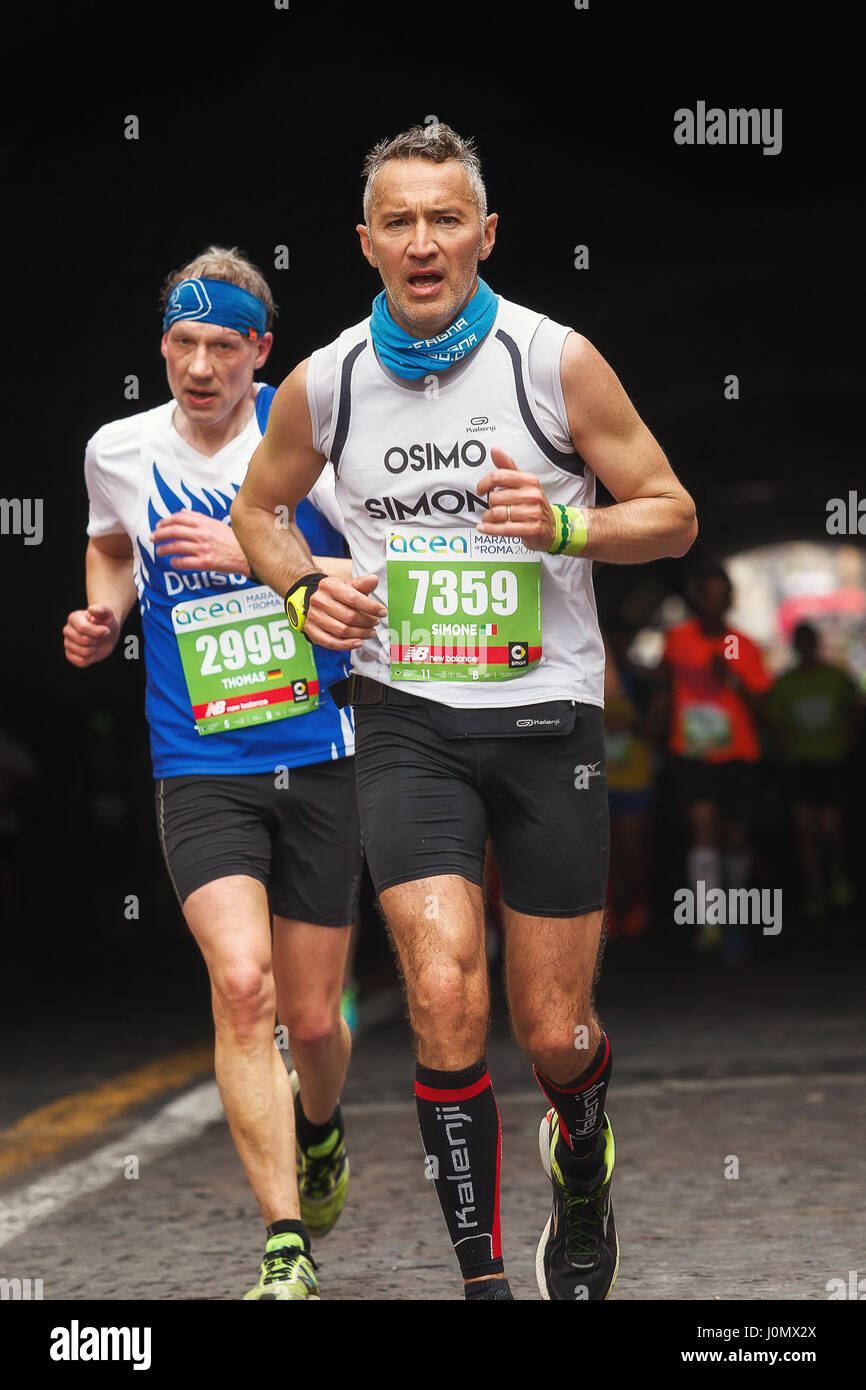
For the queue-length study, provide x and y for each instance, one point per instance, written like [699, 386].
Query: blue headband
[216, 301]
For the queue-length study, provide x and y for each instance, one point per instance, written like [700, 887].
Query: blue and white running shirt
[225, 673]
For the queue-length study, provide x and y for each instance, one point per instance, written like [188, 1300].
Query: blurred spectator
[713, 679]
[814, 710]
[627, 696]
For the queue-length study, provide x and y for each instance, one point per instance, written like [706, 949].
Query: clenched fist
[90, 634]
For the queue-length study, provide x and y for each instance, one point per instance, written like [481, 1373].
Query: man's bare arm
[654, 516]
[108, 565]
[90, 633]
[281, 473]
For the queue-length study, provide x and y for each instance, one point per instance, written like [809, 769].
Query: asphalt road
[739, 1109]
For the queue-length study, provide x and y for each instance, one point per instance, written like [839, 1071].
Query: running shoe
[323, 1177]
[287, 1271]
[578, 1253]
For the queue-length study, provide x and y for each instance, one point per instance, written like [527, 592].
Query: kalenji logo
[454, 1119]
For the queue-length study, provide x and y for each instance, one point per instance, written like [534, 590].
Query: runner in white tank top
[418, 474]
[465, 433]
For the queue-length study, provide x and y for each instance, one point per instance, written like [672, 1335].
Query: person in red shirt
[716, 679]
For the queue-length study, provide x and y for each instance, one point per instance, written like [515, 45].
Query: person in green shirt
[814, 708]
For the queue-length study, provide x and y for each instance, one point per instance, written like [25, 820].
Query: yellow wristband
[570, 538]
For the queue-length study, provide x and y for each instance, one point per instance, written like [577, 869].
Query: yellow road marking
[64, 1122]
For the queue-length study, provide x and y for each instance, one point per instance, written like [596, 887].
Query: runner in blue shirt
[252, 759]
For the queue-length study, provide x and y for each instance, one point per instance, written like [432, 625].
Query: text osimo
[185, 617]
[428, 545]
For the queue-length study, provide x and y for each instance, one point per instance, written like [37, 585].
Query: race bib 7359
[462, 606]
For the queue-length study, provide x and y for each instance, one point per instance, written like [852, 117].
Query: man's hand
[518, 506]
[90, 634]
[342, 613]
[199, 543]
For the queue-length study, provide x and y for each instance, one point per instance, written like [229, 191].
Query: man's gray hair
[435, 142]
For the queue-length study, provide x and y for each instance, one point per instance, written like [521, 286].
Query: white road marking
[181, 1120]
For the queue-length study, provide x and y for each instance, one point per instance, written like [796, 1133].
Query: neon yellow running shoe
[578, 1253]
[287, 1271]
[323, 1176]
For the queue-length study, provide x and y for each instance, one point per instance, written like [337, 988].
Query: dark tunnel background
[703, 262]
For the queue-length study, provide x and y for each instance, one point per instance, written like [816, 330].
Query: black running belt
[361, 690]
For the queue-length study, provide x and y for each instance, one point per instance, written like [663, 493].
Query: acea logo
[189, 614]
[401, 544]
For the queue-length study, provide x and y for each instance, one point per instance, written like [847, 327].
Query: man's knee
[446, 987]
[244, 1000]
[558, 1047]
[448, 998]
[313, 1023]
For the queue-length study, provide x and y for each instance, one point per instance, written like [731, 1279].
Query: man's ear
[366, 245]
[489, 237]
[263, 350]
[162, 344]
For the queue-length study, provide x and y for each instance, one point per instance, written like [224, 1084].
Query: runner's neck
[210, 440]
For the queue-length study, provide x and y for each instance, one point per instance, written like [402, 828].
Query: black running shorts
[302, 840]
[428, 802]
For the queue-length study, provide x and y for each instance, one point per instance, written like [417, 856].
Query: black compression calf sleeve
[459, 1123]
[580, 1107]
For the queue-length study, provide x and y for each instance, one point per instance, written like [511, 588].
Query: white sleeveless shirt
[406, 454]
